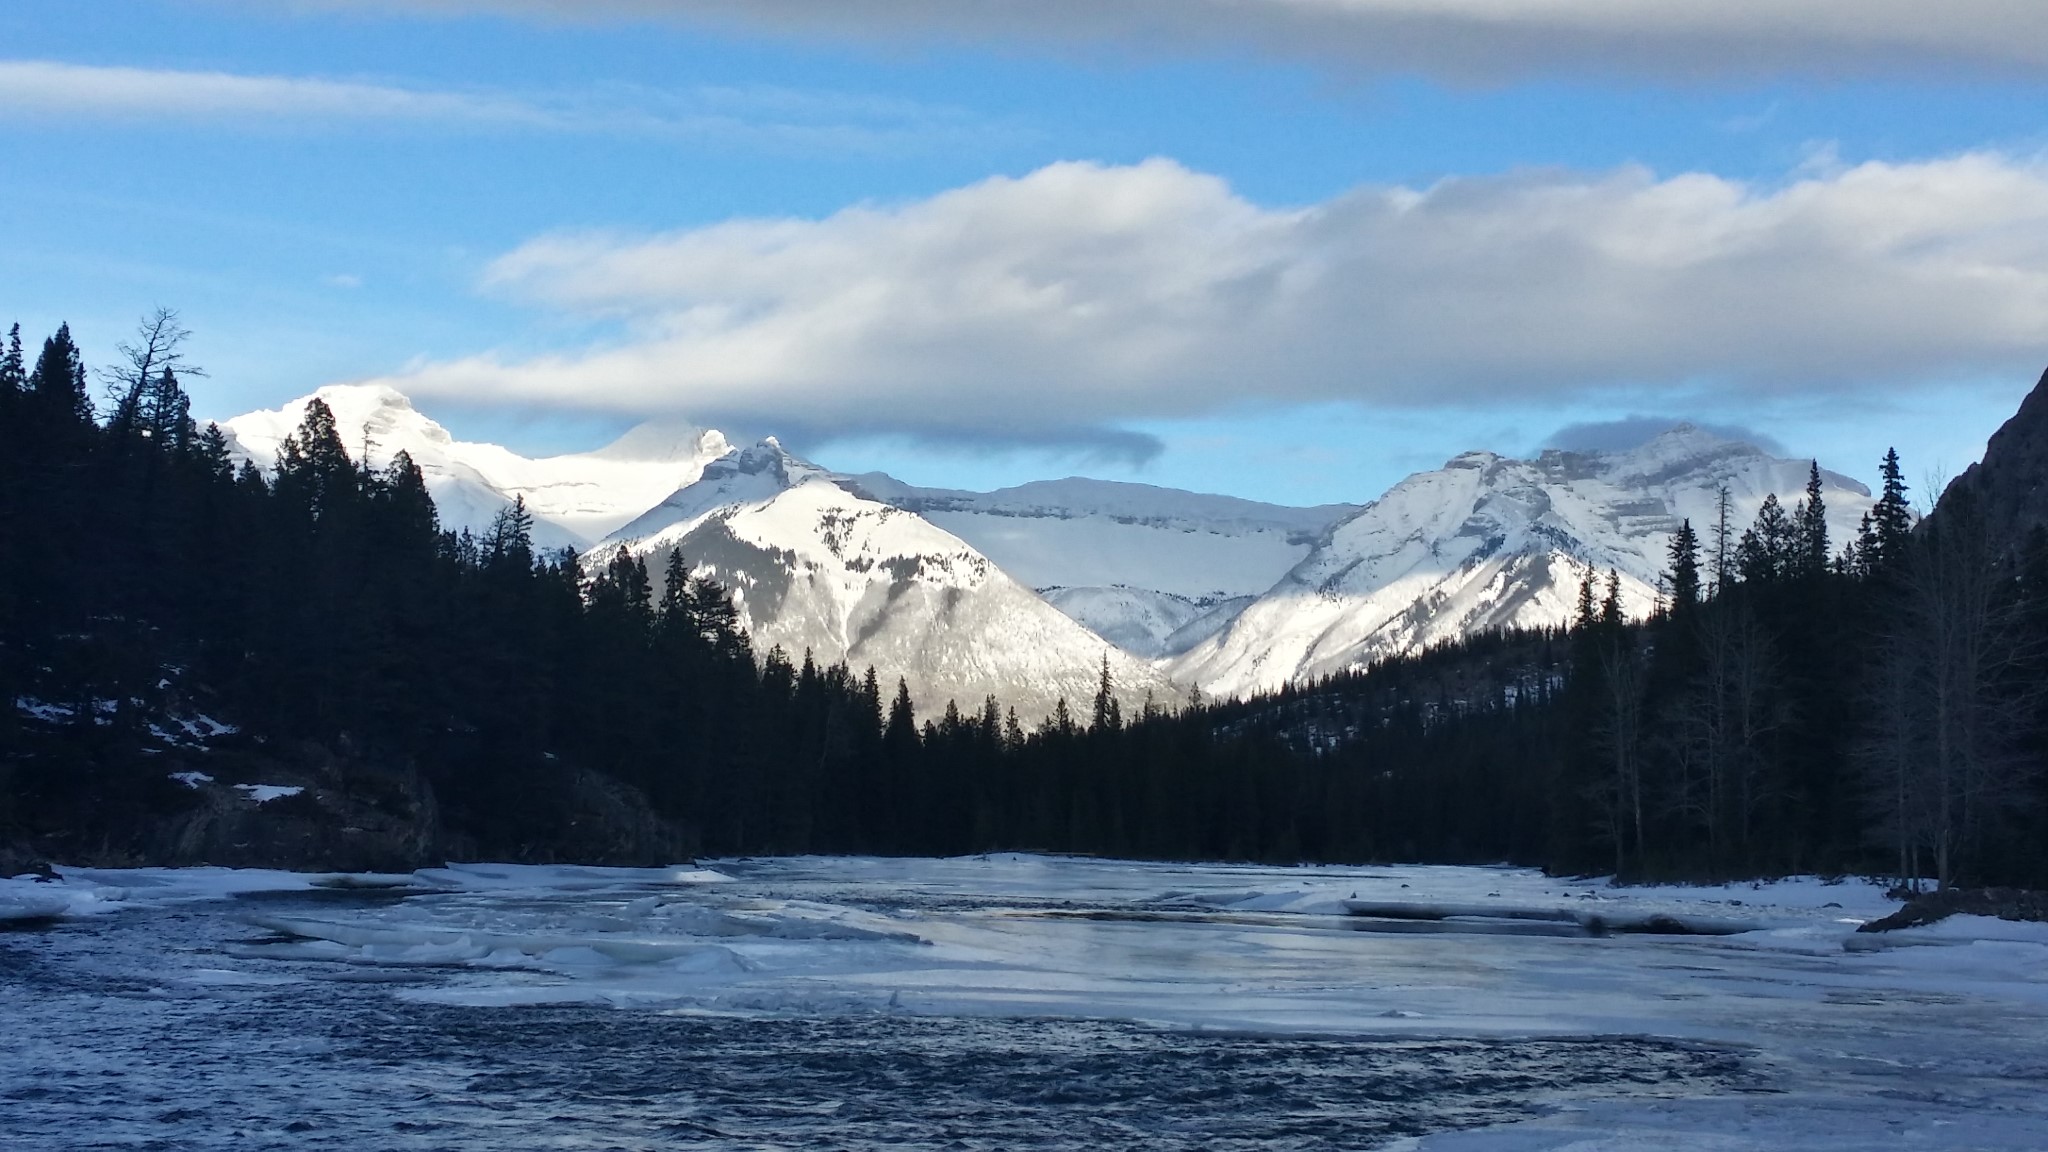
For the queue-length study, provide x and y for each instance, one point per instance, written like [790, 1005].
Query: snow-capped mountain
[815, 565]
[1153, 570]
[741, 476]
[1488, 542]
[575, 499]
[1145, 621]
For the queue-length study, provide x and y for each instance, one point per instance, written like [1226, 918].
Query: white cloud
[1480, 40]
[59, 89]
[807, 121]
[1082, 297]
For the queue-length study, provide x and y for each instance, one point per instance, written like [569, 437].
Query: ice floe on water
[1860, 1038]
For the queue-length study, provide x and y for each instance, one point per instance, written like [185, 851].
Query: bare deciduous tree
[158, 348]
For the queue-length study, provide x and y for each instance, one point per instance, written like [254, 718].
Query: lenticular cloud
[1082, 296]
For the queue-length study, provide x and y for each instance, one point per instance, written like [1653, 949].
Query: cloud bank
[1482, 41]
[1083, 298]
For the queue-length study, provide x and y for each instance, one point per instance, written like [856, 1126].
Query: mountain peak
[574, 498]
[760, 471]
[664, 442]
[1478, 458]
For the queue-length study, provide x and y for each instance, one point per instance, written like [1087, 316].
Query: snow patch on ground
[265, 793]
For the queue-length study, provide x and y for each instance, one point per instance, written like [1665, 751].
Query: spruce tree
[1769, 548]
[215, 461]
[1810, 528]
[1891, 519]
[13, 371]
[1108, 716]
[57, 385]
[1684, 574]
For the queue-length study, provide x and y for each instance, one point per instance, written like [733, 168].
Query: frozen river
[1003, 1002]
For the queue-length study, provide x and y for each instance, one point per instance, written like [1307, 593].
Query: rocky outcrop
[2008, 489]
[243, 803]
[1930, 907]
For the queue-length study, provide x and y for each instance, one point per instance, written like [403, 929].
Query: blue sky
[981, 249]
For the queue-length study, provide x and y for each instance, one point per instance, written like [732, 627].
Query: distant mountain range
[1490, 542]
[1022, 592]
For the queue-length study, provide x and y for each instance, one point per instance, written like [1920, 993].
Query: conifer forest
[1795, 703]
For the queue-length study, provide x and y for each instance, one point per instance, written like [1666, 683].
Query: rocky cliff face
[2009, 487]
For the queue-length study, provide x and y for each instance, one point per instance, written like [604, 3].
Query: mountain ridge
[1489, 541]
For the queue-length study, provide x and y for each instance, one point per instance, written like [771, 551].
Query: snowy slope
[740, 476]
[1080, 533]
[1487, 542]
[1133, 562]
[575, 499]
[1143, 621]
[816, 566]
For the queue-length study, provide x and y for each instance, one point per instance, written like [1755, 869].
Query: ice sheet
[1930, 1037]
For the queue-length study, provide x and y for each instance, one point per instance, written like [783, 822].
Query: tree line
[1790, 706]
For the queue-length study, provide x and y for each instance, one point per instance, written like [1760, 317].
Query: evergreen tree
[1684, 573]
[1810, 528]
[57, 385]
[1891, 519]
[1108, 715]
[1769, 547]
[13, 371]
[218, 464]
[314, 473]
[509, 541]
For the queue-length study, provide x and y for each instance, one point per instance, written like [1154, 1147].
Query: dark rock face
[2009, 488]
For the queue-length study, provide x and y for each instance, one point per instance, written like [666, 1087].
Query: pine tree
[57, 385]
[1891, 519]
[1769, 547]
[675, 581]
[1810, 528]
[509, 541]
[13, 371]
[1684, 575]
[314, 473]
[1108, 715]
[1864, 549]
[217, 463]
[902, 727]
[402, 490]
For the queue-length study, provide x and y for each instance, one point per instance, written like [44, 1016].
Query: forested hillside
[1796, 703]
